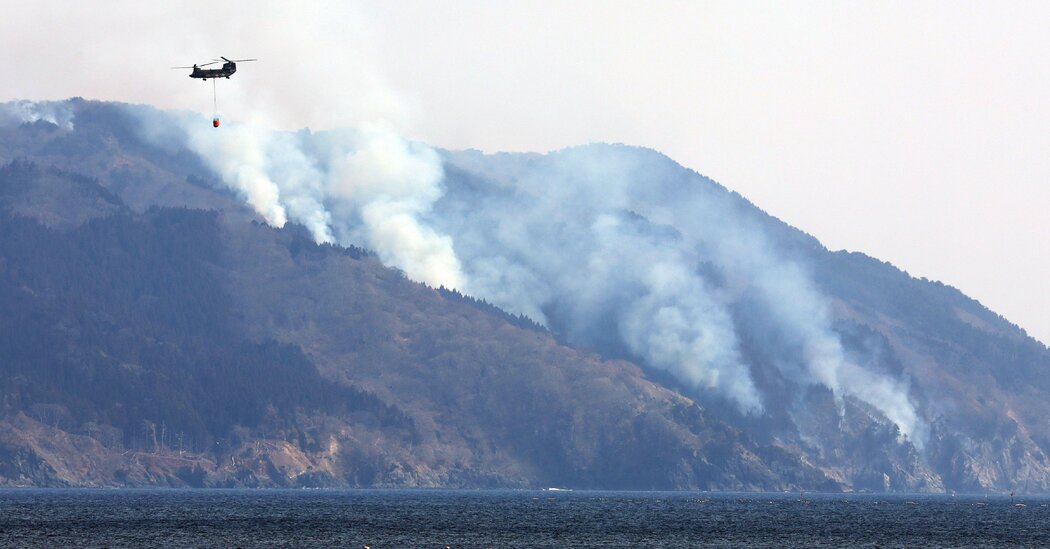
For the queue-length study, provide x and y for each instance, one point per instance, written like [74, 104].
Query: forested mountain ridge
[146, 349]
[158, 333]
[963, 366]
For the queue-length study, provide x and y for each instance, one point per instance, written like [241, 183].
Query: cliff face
[157, 333]
[980, 380]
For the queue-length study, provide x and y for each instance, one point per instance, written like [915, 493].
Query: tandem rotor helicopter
[227, 70]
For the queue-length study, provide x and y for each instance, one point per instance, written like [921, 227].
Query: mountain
[160, 329]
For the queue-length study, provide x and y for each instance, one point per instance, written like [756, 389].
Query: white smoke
[244, 158]
[26, 112]
[381, 188]
[616, 238]
[368, 187]
[802, 314]
[605, 244]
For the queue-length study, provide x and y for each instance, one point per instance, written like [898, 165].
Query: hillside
[619, 322]
[155, 349]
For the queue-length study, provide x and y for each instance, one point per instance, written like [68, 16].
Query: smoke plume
[611, 246]
[27, 112]
[366, 187]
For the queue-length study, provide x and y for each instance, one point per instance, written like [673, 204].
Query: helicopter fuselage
[204, 74]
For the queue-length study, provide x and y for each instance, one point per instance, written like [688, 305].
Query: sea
[461, 518]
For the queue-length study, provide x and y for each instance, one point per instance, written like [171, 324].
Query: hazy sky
[916, 132]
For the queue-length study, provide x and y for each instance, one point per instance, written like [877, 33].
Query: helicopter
[228, 68]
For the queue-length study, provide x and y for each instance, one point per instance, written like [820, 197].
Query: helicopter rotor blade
[242, 60]
[196, 66]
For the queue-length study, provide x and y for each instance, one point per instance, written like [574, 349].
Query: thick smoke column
[381, 189]
[368, 187]
[244, 159]
[609, 245]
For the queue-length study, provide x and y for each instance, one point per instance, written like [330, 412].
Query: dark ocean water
[418, 518]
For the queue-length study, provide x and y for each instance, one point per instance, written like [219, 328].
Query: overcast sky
[916, 132]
